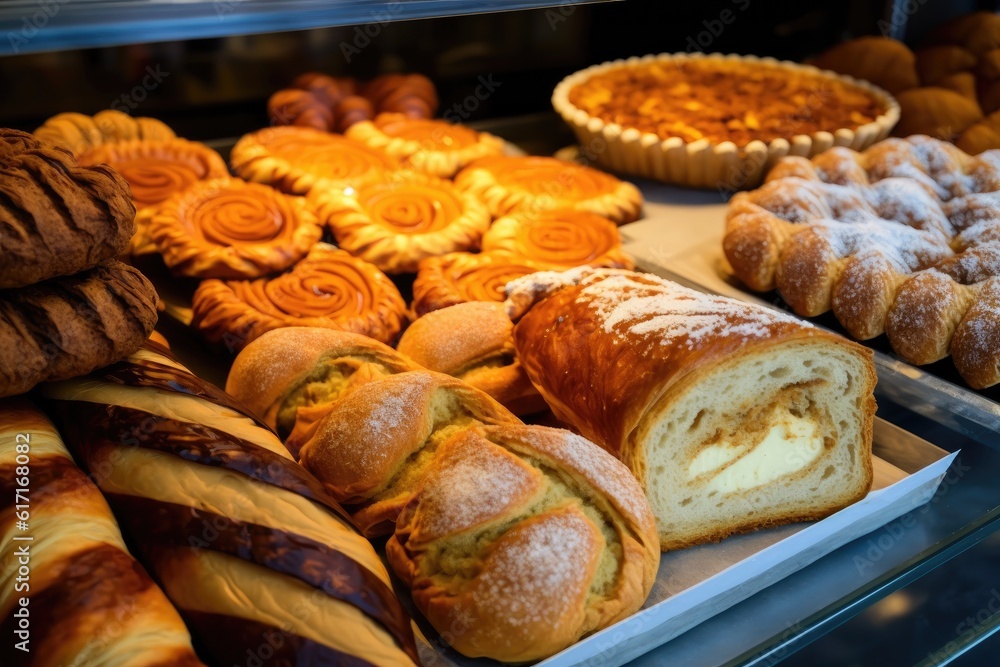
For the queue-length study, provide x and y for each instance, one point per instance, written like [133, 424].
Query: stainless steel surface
[31, 26]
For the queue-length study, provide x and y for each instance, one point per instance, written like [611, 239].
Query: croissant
[90, 602]
[299, 107]
[885, 62]
[732, 416]
[215, 505]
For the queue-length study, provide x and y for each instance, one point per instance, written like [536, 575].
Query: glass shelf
[30, 26]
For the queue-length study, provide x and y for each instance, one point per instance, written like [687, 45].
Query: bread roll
[522, 539]
[474, 342]
[245, 542]
[88, 601]
[373, 447]
[292, 377]
[733, 417]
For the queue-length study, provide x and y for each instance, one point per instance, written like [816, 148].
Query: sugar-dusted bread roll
[732, 416]
[246, 544]
[88, 601]
[373, 447]
[522, 539]
[474, 341]
[292, 377]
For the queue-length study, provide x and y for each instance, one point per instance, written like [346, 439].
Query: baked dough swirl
[78, 133]
[460, 276]
[560, 238]
[533, 184]
[328, 289]
[296, 159]
[228, 228]
[433, 147]
[394, 225]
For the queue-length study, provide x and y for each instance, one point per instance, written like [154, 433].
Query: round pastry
[56, 218]
[533, 184]
[474, 342]
[79, 133]
[396, 224]
[228, 228]
[329, 289]
[460, 276]
[296, 159]
[434, 147]
[68, 326]
[559, 239]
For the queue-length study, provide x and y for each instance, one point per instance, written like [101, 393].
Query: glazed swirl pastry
[296, 159]
[433, 147]
[394, 225]
[533, 184]
[228, 228]
[329, 288]
[460, 276]
[56, 218]
[78, 133]
[559, 239]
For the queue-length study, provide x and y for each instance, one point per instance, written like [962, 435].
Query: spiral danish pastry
[459, 277]
[328, 289]
[434, 147]
[296, 159]
[559, 239]
[228, 228]
[394, 225]
[533, 184]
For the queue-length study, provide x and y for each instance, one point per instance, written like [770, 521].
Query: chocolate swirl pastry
[56, 218]
[395, 225]
[434, 147]
[460, 276]
[69, 326]
[559, 239]
[78, 133]
[296, 159]
[228, 228]
[329, 289]
[533, 184]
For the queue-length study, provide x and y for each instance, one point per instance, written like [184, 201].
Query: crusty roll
[522, 539]
[88, 601]
[732, 416]
[474, 341]
[246, 543]
[69, 326]
[292, 377]
[372, 448]
[78, 133]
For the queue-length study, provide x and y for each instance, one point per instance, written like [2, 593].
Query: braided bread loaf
[88, 601]
[56, 218]
[216, 506]
[903, 238]
[78, 133]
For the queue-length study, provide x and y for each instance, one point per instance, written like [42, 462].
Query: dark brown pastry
[56, 217]
[69, 326]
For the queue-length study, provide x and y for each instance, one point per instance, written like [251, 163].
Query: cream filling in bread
[791, 444]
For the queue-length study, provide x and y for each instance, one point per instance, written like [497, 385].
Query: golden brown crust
[885, 62]
[474, 342]
[937, 112]
[533, 184]
[69, 326]
[56, 218]
[546, 571]
[328, 288]
[301, 108]
[297, 159]
[228, 228]
[460, 277]
[434, 147]
[395, 225]
[559, 239]
[78, 133]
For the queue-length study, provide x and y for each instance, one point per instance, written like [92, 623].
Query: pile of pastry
[435, 203]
